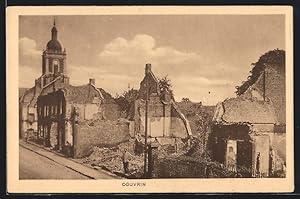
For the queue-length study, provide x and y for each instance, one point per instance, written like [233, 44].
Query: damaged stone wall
[262, 146]
[162, 123]
[275, 89]
[263, 128]
[111, 111]
[106, 111]
[101, 133]
[90, 110]
[251, 140]
[53, 134]
[278, 142]
[178, 128]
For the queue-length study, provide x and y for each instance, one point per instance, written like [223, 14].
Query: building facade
[54, 71]
[252, 125]
[241, 133]
[165, 121]
[69, 119]
[73, 119]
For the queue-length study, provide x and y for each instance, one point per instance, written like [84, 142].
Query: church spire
[54, 31]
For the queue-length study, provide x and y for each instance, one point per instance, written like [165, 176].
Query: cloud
[111, 82]
[208, 91]
[142, 48]
[27, 47]
[27, 75]
[30, 62]
[205, 81]
[123, 55]
[121, 63]
[29, 57]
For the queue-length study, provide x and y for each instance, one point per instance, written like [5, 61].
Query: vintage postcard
[147, 99]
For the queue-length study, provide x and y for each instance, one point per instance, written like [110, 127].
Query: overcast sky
[201, 54]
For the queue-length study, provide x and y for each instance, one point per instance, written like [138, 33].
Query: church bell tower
[54, 60]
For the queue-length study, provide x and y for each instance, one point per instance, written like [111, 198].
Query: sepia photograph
[140, 96]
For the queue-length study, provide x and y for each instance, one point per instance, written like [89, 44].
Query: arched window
[56, 66]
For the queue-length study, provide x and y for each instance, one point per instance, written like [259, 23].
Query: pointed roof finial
[54, 22]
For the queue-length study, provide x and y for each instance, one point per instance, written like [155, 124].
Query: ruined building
[165, 121]
[249, 130]
[76, 118]
[70, 119]
[54, 72]
[243, 126]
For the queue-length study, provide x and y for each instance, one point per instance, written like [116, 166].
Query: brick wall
[99, 133]
[275, 90]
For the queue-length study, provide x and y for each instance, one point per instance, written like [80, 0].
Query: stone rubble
[111, 158]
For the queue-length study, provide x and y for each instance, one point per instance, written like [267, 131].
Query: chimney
[92, 81]
[147, 68]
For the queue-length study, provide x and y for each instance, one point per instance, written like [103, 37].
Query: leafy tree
[274, 58]
[165, 84]
[126, 99]
[185, 99]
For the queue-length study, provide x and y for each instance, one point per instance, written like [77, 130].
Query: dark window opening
[30, 118]
[55, 68]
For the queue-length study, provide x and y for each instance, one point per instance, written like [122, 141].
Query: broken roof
[81, 94]
[22, 92]
[107, 96]
[27, 95]
[242, 110]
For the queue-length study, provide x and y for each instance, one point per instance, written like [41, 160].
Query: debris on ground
[110, 158]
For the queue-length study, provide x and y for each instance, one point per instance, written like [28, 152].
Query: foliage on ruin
[165, 84]
[126, 99]
[200, 118]
[186, 100]
[274, 58]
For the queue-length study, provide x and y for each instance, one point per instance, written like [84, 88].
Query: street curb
[61, 155]
[57, 162]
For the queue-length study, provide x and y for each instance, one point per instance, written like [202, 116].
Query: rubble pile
[111, 158]
[107, 158]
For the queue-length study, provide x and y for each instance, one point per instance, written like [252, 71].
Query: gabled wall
[274, 90]
[163, 120]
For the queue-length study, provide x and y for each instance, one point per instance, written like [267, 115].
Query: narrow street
[39, 163]
[35, 166]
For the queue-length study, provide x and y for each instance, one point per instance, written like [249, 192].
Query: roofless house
[247, 127]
